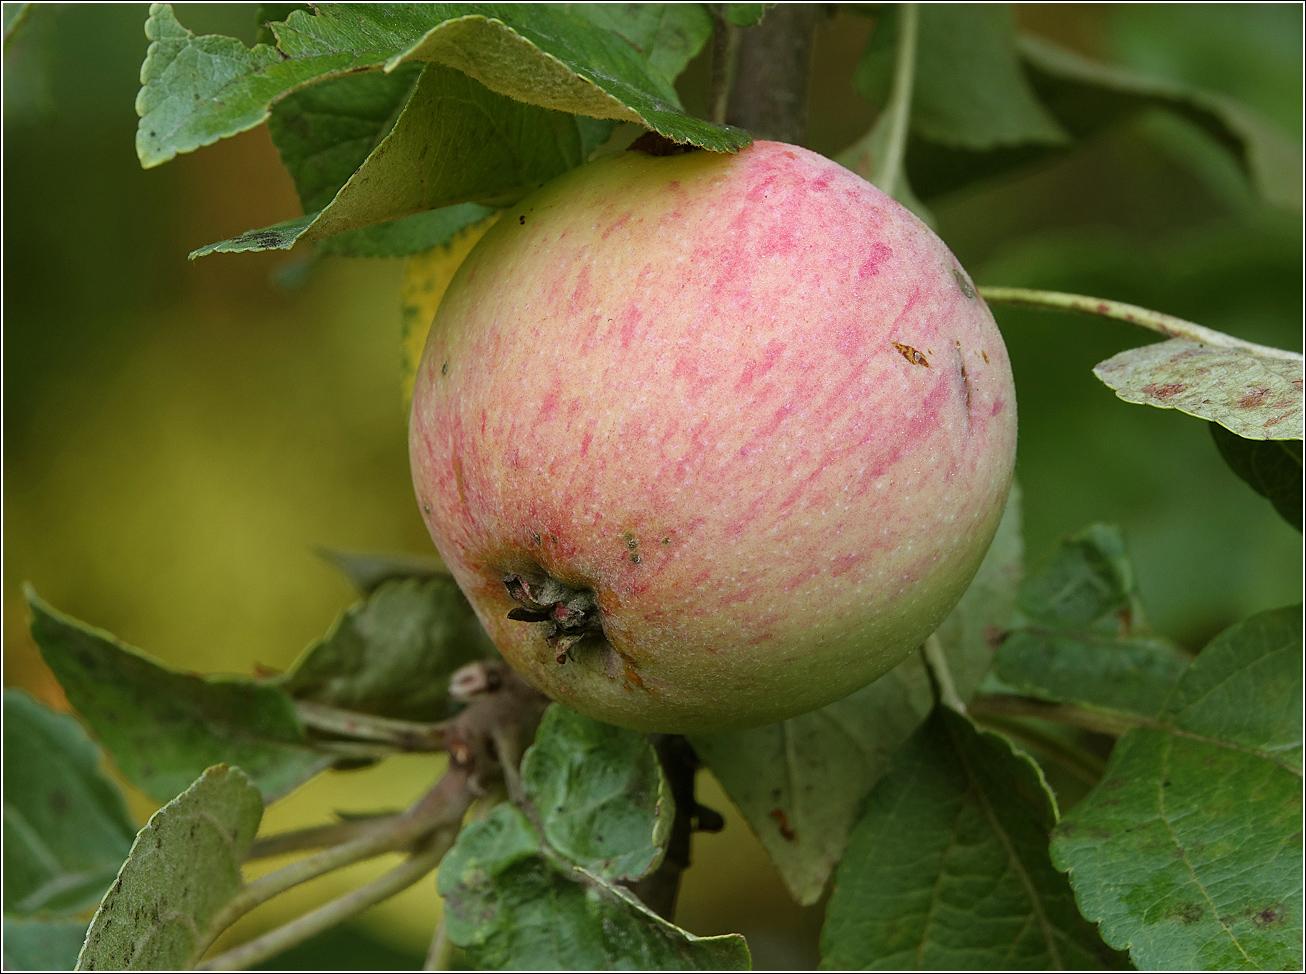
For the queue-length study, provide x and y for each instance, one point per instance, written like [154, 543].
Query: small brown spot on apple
[522, 219]
[444, 369]
[910, 354]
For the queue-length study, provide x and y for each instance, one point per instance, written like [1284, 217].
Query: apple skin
[748, 405]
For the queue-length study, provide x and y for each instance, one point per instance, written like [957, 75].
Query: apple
[711, 440]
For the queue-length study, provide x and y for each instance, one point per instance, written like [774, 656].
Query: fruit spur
[711, 440]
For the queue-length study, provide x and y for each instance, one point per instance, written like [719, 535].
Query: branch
[444, 805]
[725, 55]
[318, 837]
[1163, 324]
[440, 956]
[408, 735]
[506, 711]
[332, 913]
[768, 95]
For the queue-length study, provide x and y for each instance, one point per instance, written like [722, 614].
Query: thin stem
[938, 664]
[358, 750]
[1156, 321]
[1084, 765]
[440, 956]
[446, 802]
[888, 168]
[725, 51]
[409, 735]
[332, 913]
[318, 837]
[1112, 722]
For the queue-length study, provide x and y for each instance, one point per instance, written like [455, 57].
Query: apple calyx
[572, 614]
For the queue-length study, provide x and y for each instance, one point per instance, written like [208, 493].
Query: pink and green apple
[711, 440]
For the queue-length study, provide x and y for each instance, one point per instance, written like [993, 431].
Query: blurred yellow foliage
[426, 277]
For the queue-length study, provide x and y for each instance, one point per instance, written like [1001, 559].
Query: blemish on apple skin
[444, 369]
[426, 506]
[910, 354]
[967, 288]
[522, 219]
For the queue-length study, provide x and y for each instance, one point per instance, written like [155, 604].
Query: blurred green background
[179, 437]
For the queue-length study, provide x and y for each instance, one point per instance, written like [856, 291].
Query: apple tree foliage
[923, 803]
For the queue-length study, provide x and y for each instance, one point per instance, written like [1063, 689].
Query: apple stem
[768, 93]
[1163, 324]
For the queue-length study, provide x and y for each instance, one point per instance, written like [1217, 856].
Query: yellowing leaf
[426, 277]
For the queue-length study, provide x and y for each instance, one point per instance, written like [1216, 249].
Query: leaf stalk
[337, 910]
[888, 168]
[1163, 324]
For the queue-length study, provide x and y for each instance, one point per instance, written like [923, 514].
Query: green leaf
[511, 908]
[367, 570]
[66, 829]
[1245, 688]
[1089, 579]
[546, 55]
[1079, 639]
[163, 727]
[746, 14]
[35, 944]
[801, 783]
[184, 867]
[393, 653]
[1086, 96]
[667, 35]
[599, 790]
[1272, 468]
[1133, 675]
[324, 132]
[948, 868]
[455, 142]
[407, 235]
[1257, 396]
[1188, 852]
[970, 91]
[196, 90]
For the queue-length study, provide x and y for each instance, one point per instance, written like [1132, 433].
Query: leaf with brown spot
[1255, 395]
